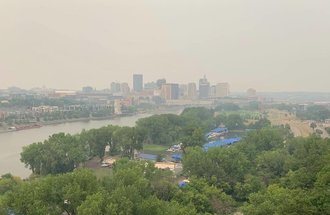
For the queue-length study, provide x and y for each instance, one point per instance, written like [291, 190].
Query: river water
[11, 143]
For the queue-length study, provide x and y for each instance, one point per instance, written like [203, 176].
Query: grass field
[154, 149]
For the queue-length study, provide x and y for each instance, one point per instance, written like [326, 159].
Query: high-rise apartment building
[137, 82]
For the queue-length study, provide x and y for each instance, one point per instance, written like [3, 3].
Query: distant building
[137, 82]
[183, 91]
[212, 93]
[170, 91]
[160, 82]
[204, 88]
[115, 87]
[62, 93]
[174, 91]
[124, 88]
[45, 109]
[251, 92]
[87, 89]
[150, 85]
[192, 91]
[3, 115]
[222, 90]
[117, 107]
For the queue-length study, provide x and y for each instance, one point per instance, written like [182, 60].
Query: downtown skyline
[270, 46]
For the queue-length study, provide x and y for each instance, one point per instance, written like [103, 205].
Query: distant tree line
[315, 112]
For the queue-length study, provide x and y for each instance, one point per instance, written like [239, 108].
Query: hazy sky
[271, 45]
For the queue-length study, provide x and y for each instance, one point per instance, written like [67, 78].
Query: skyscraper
[170, 91]
[204, 88]
[137, 82]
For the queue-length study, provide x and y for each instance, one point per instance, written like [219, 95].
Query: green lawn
[154, 149]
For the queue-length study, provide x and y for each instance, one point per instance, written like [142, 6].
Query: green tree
[205, 198]
[130, 139]
[192, 137]
[60, 153]
[278, 200]
[313, 125]
[271, 165]
[52, 194]
[94, 204]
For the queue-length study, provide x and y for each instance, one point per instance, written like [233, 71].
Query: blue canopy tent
[220, 143]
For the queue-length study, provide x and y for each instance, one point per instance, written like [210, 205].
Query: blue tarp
[177, 157]
[219, 130]
[182, 183]
[220, 143]
[148, 157]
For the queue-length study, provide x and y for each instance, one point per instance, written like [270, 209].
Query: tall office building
[170, 91]
[222, 90]
[137, 82]
[192, 91]
[204, 88]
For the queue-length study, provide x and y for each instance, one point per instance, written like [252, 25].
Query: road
[298, 127]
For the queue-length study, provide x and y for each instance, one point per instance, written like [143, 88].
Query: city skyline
[130, 84]
[270, 46]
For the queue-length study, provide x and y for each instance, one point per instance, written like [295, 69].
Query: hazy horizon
[271, 46]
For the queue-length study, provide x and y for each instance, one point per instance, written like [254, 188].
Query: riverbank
[5, 129]
[12, 143]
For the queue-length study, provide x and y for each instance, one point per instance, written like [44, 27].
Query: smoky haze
[277, 45]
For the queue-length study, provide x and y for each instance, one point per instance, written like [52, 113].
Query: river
[11, 143]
